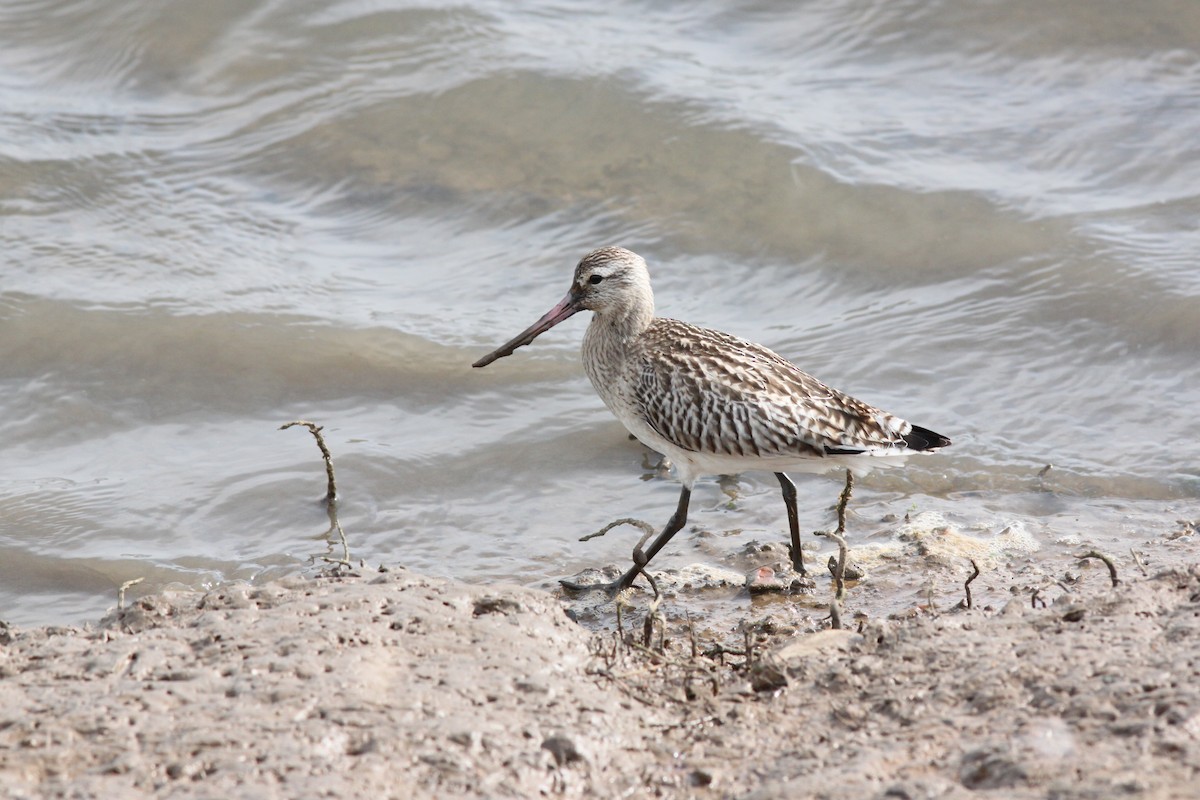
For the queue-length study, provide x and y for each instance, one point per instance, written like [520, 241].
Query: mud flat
[390, 684]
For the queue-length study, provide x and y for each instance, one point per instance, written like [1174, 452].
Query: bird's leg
[642, 557]
[789, 500]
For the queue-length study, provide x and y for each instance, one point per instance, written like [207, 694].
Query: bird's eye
[595, 279]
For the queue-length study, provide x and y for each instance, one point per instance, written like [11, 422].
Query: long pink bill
[563, 310]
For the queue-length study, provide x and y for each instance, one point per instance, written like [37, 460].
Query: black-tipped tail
[924, 439]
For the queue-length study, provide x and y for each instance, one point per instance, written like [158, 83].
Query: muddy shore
[391, 684]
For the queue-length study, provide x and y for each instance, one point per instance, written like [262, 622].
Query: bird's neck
[619, 327]
[610, 340]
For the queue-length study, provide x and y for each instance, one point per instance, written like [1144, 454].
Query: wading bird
[712, 403]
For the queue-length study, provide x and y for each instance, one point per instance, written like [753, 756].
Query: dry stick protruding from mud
[315, 430]
[839, 574]
[1108, 562]
[336, 525]
[835, 608]
[652, 616]
[1141, 564]
[621, 601]
[648, 629]
[121, 592]
[330, 490]
[843, 499]
[967, 585]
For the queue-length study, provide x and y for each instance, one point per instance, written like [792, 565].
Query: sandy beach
[390, 684]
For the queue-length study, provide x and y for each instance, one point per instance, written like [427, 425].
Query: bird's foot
[797, 558]
[610, 588]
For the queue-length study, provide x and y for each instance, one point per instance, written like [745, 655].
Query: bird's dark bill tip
[566, 307]
[506, 350]
[483, 362]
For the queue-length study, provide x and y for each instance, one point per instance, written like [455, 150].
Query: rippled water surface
[218, 217]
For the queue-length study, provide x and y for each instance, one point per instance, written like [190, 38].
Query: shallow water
[220, 217]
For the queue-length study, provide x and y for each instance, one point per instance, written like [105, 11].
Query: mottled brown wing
[709, 392]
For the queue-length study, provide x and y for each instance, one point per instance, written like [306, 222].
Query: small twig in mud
[835, 614]
[843, 499]
[648, 630]
[653, 616]
[121, 592]
[330, 492]
[645, 526]
[315, 430]
[967, 585]
[334, 524]
[1137, 559]
[839, 574]
[1108, 562]
[839, 579]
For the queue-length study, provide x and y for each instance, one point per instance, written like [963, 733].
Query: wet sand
[390, 684]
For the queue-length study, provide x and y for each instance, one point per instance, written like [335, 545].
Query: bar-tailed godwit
[712, 403]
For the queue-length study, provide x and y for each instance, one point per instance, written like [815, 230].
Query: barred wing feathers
[708, 392]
